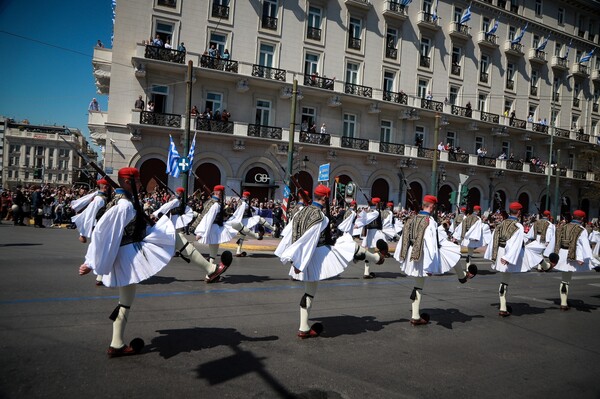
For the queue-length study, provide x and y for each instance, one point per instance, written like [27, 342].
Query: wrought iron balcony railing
[510, 84]
[160, 119]
[432, 105]
[400, 98]
[318, 81]
[219, 11]
[164, 54]
[555, 97]
[537, 168]
[483, 77]
[518, 123]
[580, 136]
[313, 33]
[391, 52]
[576, 102]
[354, 43]
[580, 174]
[462, 111]
[486, 161]
[214, 126]
[364, 91]
[397, 7]
[533, 90]
[426, 153]
[268, 72]
[455, 69]
[269, 22]
[391, 148]
[220, 64]
[539, 127]
[425, 62]
[354, 143]
[266, 132]
[489, 117]
[315, 138]
[514, 165]
[564, 133]
[458, 157]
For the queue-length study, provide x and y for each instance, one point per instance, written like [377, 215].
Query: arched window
[208, 174]
[381, 189]
[151, 170]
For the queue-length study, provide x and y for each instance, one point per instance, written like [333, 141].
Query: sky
[46, 62]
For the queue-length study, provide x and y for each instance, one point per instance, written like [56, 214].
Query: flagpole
[186, 132]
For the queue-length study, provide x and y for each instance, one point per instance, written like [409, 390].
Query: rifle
[93, 164]
[206, 189]
[163, 185]
[301, 192]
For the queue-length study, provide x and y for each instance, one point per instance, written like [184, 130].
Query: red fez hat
[102, 181]
[307, 193]
[219, 188]
[463, 208]
[390, 204]
[322, 190]
[477, 208]
[375, 200]
[432, 199]
[515, 206]
[547, 213]
[179, 190]
[246, 194]
[579, 213]
[352, 202]
[129, 172]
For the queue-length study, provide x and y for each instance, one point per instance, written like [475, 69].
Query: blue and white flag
[518, 38]
[542, 46]
[587, 57]
[191, 152]
[173, 160]
[494, 28]
[466, 16]
[568, 49]
[405, 2]
[434, 16]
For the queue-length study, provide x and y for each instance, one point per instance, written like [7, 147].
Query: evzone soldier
[126, 251]
[541, 232]
[469, 233]
[372, 223]
[458, 219]
[574, 253]
[244, 215]
[388, 223]
[294, 210]
[94, 206]
[424, 251]
[314, 257]
[213, 230]
[181, 215]
[507, 253]
[348, 224]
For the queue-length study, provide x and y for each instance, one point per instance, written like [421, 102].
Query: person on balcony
[304, 126]
[225, 115]
[469, 111]
[94, 106]
[150, 107]
[168, 44]
[323, 129]
[139, 104]
[181, 47]
[157, 41]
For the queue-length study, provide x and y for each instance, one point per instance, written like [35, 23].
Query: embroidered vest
[304, 219]
[566, 238]
[540, 228]
[467, 223]
[504, 231]
[412, 235]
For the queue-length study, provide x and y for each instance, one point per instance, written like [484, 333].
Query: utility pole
[186, 131]
[290, 159]
[436, 133]
[556, 199]
[552, 132]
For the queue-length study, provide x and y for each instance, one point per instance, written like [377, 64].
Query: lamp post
[436, 132]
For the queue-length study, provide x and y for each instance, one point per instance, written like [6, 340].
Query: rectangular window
[391, 44]
[164, 30]
[536, 41]
[50, 175]
[485, 24]
[427, 6]
[453, 98]
[270, 8]
[508, 104]
[39, 151]
[352, 73]
[506, 148]
[512, 32]
[422, 88]
[534, 78]
[528, 153]
[456, 55]
[349, 128]
[158, 95]
[388, 81]
[478, 143]
[560, 18]
[554, 114]
[557, 49]
[309, 118]
[532, 112]
[266, 55]
[314, 17]
[311, 64]
[457, 14]
[220, 42]
[451, 139]
[355, 28]
[575, 122]
[263, 112]
[214, 102]
[538, 8]
[482, 102]
[419, 136]
[386, 131]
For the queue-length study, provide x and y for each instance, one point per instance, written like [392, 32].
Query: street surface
[237, 338]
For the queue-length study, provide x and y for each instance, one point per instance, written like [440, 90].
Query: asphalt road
[237, 338]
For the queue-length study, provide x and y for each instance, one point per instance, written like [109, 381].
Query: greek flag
[466, 16]
[542, 46]
[173, 160]
[494, 28]
[192, 150]
[587, 57]
[568, 49]
[518, 38]
[405, 2]
[434, 16]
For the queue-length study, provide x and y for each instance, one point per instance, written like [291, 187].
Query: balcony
[459, 157]
[268, 72]
[489, 117]
[581, 136]
[313, 33]
[160, 119]
[356, 144]
[580, 174]
[595, 107]
[486, 161]
[164, 54]
[537, 56]
[391, 52]
[219, 11]
[214, 126]
[358, 90]
[462, 111]
[518, 123]
[555, 97]
[427, 153]
[559, 63]
[487, 40]
[354, 43]
[362, 4]
[515, 49]
[315, 138]
[510, 84]
[539, 128]
[575, 102]
[391, 148]
[483, 77]
[265, 132]
[596, 75]
[269, 22]
[393, 9]
[219, 64]
[318, 81]
[533, 91]
[514, 8]
[425, 62]
[455, 69]
[459, 31]
[563, 133]
[580, 70]
[432, 105]
[428, 21]
[514, 165]
[399, 98]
